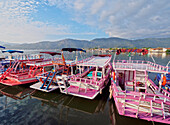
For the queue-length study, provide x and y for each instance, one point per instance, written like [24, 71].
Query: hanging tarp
[51, 53]
[143, 51]
[73, 49]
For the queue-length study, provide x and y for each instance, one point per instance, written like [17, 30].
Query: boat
[135, 94]
[24, 70]
[92, 77]
[63, 69]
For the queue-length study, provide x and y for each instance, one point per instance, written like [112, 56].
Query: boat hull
[14, 82]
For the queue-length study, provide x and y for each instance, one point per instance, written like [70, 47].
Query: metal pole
[153, 59]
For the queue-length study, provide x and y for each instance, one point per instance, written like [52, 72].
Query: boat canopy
[13, 51]
[2, 47]
[73, 49]
[97, 60]
[51, 53]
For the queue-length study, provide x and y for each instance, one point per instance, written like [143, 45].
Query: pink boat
[24, 71]
[135, 94]
[93, 76]
[60, 74]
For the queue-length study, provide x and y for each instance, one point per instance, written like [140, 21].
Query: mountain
[98, 42]
[139, 43]
[112, 42]
[153, 42]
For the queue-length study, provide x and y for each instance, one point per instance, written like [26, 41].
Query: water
[21, 105]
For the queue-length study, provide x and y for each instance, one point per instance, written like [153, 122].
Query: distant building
[158, 50]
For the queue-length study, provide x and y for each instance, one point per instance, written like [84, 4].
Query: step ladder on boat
[138, 104]
[140, 79]
[48, 80]
[61, 82]
[8, 71]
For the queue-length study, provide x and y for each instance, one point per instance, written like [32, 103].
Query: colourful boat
[24, 70]
[92, 77]
[135, 94]
[63, 69]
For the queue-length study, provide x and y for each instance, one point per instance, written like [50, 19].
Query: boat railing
[119, 93]
[93, 83]
[84, 80]
[138, 64]
[156, 88]
[44, 62]
[13, 76]
[58, 61]
[84, 60]
[25, 56]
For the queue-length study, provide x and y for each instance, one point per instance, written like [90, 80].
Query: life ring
[114, 76]
[164, 81]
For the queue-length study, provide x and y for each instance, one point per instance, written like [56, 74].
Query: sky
[30, 21]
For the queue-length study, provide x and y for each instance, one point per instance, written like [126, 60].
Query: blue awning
[12, 51]
[2, 47]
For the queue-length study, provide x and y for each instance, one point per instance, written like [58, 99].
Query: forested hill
[98, 42]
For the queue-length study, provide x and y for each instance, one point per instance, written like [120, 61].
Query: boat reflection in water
[66, 101]
[14, 93]
[71, 108]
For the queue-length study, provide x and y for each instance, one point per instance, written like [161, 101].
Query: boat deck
[95, 61]
[38, 85]
[76, 91]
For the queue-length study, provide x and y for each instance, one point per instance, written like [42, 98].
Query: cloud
[117, 18]
[120, 18]
[18, 25]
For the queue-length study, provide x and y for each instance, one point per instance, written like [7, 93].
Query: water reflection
[13, 93]
[70, 102]
[161, 55]
[67, 109]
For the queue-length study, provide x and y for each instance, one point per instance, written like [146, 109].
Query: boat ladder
[141, 78]
[8, 71]
[50, 80]
[44, 81]
[61, 81]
